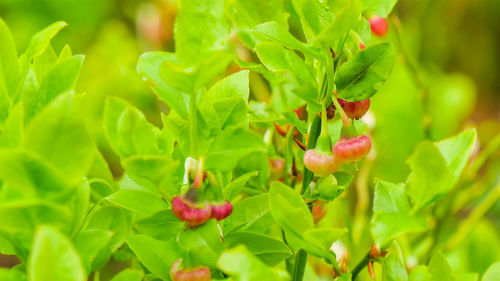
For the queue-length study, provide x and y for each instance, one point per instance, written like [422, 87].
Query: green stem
[193, 118]
[345, 119]
[364, 262]
[300, 265]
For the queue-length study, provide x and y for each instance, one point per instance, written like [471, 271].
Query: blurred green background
[447, 78]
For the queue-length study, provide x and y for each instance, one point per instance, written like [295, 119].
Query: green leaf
[9, 68]
[150, 171]
[148, 67]
[338, 29]
[203, 243]
[251, 214]
[380, 8]
[391, 216]
[13, 129]
[246, 14]
[324, 236]
[457, 151]
[23, 216]
[492, 273]
[128, 274]
[276, 58]
[128, 131]
[229, 146]
[289, 209]
[113, 219]
[439, 269]
[361, 77]
[293, 119]
[60, 79]
[143, 202]
[199, 29]
[313, 16]
[269, 250]
[30, 174]
[157, 256]
[276, 32]
[163, 225]
[88, 243]
[53, 257]
[241, 265]
[430, 178]
[41, 40]
[233, 189]
[61, 138]
[11, 275]
[225, 104]
[394, 268]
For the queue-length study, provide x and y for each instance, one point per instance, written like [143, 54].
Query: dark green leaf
[271, 251]
[361, 77]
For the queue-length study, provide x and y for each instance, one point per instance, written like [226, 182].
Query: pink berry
[378, 25]
[187, 211]
[321, 164]
[200, 273]
[220, 212]
[352, 149]
[355, 109]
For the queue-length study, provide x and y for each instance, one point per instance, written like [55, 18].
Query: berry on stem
[352, 149]
[320, 160]
[188, 211]
[378, 25]
[199, 273]
[221, 211]
[321, 164]
[355, 109]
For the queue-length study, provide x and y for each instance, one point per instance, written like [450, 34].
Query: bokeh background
[447, 78]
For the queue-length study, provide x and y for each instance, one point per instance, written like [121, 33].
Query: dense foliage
[341, 172]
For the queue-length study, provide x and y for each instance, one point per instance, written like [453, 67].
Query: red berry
[220, 212]
[277, 168]
[355, 109]
[200, 273]
[187, 211]
[352, 149]
[318, 211]
[378, 25]
[321, 164]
